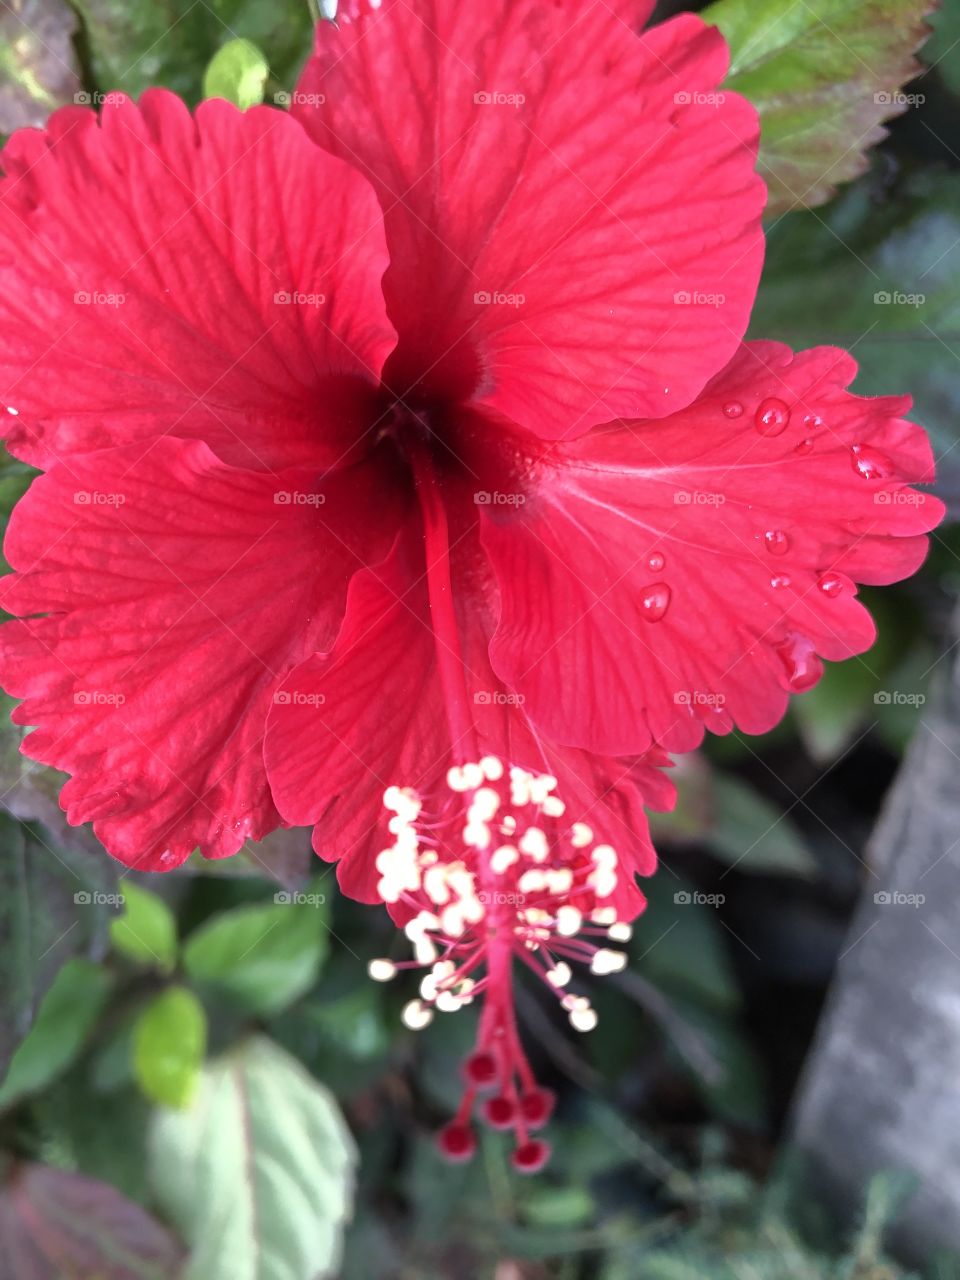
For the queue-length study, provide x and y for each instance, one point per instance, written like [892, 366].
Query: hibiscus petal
[178, 591]
[668, 574]
[370, 714]
[571, 209]
[367, 715]
[215, 277]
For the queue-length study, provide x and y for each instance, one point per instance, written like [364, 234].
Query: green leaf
[169, 1043]
[881, 277]
[38, 63]
[170, 42]
[682, 946]
[823, 75]
[238, 72]
[55, 1223]
[147, 930]
[258, 1175]
[65, 1019]
[55, 902]
[264, 957]
[752, 834]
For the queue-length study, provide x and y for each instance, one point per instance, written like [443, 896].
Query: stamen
[491, 872]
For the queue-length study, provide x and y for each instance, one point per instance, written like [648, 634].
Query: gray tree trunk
[882, 1088]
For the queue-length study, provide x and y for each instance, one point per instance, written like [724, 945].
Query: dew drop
[805, 446]
[831, 584]
[802, 666]
[656, 601]
[772, 417]
[777, 542]
[812, 421]
[733, 409]
[779, 581]
[656, 562]
[12, 411]
[870, 463]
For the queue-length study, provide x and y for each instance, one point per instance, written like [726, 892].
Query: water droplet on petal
[812, 421]
[656, 601]
[805, 446]
[656, 562]
[733, 409]
[779, 582]
[777, 542]
[831, 584]
[802, 666]
[772, 417]
[871, 463]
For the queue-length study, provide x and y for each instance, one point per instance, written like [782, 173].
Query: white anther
[382, 970]
[606, 961]
[569, 921]
[534, 844]
[580, 835]
[416, 1015]
[583, 1019]
[503, 858]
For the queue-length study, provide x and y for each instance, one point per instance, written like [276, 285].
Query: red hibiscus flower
[406, 444]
